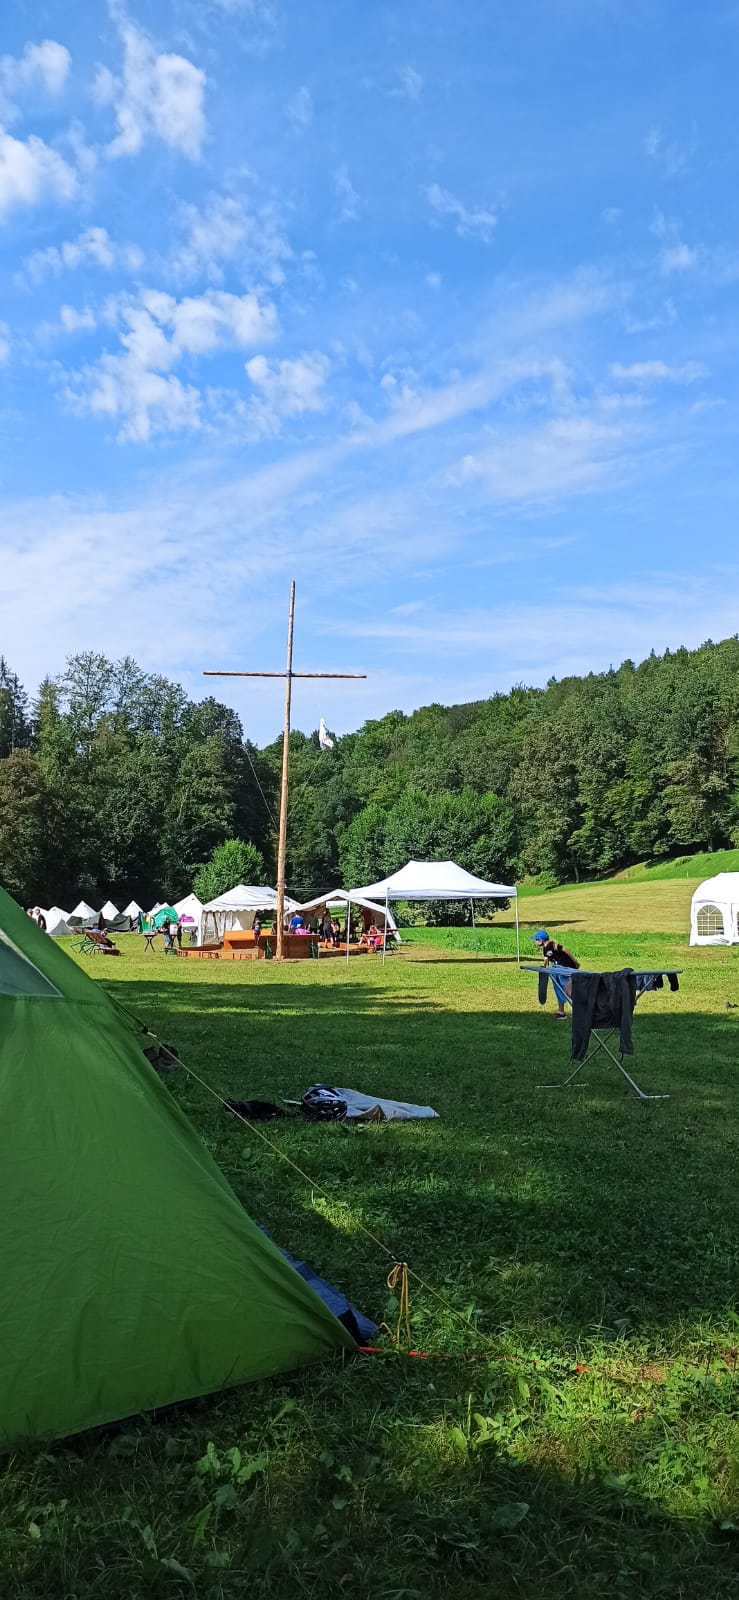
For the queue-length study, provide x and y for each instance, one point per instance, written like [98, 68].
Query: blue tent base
[360, 1327]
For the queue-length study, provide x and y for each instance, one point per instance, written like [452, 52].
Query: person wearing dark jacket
[556, 955]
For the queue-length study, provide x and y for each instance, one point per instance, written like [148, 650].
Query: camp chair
[95, 943]
[602, 1034]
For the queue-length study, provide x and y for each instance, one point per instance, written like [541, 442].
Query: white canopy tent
[437, 880]
[341, 897]
[714, 910]
[236, 908]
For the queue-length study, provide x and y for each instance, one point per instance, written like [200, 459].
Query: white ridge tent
[437, 880]
[341, 897]
[235, 909]
[109, 911]
[133, 909]
[83, 911]
[714, 910]
[190, 906]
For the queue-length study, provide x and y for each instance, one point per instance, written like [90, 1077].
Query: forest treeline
[114, 783]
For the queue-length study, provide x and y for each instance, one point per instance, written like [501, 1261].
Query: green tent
[131, 1275]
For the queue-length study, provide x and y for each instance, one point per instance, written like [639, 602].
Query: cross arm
[228, 674]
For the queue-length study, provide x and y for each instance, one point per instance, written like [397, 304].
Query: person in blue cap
[555, 955]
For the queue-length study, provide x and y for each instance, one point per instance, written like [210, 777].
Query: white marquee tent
[236, 908]
[341, 897]
[714, 910]
[437, 880]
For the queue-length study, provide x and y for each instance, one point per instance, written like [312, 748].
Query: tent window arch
[710, 921]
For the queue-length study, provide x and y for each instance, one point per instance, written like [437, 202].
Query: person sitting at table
[296, 922]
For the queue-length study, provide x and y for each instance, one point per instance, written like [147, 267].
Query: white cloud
[567, 454]
[74, 321]
[91, 248]
[31, 171]
[658, 371]
[287, 388]
[673, 158]
[433, 280]
[224, 229]
[677, 258]
[45, 66]
[411, 83]
[469, 221]
[349, 200]
[156, 332]
[300, 108]
[158, 95]
[611, 215]
[4, 342]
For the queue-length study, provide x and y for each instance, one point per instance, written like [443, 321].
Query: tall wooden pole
[288, 675]
[282, 833]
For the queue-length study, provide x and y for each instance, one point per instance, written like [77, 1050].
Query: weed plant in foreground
[585, 1248]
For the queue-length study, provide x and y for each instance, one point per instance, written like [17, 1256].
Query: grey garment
[543, 981]
[602, 1000]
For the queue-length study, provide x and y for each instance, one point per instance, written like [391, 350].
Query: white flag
[324, 737]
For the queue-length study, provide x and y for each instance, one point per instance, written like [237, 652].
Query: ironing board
[646, 983]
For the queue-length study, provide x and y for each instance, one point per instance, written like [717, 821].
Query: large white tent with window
[437, 880]
[236, 908]
[714, 910]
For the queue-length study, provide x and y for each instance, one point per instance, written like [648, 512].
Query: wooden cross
[288, 675]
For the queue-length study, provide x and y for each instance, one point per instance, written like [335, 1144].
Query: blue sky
[431, 307]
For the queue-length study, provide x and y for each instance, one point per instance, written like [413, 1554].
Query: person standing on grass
[556, 955]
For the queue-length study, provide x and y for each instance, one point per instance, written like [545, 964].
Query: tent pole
[348, 925]
[474, 927]
[384, 932]
[518, 937]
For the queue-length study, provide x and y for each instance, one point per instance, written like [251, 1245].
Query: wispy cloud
[567, 454]
[673, 158]
[469, 221]
[287, 388]
[43, 66]
[658, 372]
[93, 247]
[31, 172]
[349, 201]
[410, 83]
[226, 230]
[300, 109]
[157, 95]
[136, 386]
[675, 255]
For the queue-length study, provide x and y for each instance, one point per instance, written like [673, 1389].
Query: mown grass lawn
[571, 1231]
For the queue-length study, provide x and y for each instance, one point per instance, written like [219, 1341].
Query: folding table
[646, 982]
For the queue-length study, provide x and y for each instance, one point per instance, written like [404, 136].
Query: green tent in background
[130, 1275]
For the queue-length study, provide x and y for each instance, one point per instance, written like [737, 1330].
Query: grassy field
[577, 1434]
[652, 906]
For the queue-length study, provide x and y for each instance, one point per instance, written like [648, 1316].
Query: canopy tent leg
[384, 934]
[475, 945]
[518, 936]
[348, 925]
